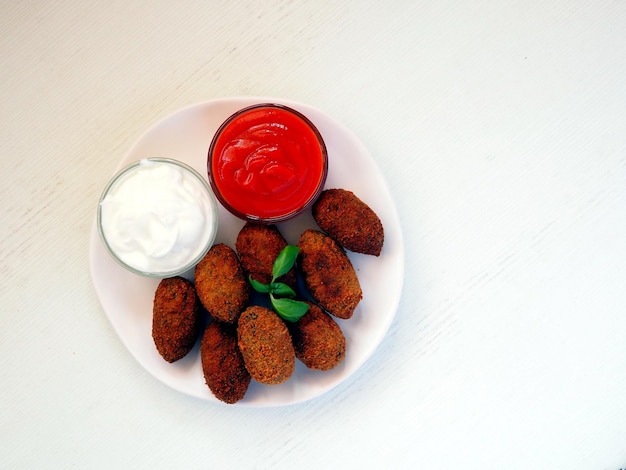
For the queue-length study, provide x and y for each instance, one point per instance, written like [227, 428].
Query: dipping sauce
[267, 163]
[158, 217]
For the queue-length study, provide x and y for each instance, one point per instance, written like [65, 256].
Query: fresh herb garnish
[281, 295]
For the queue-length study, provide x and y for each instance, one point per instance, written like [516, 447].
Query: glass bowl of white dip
[157, 217]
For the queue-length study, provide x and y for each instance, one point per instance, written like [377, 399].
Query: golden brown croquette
[221, 284]
[258, 246]
[317, 340]
[329, 274]
[175, 318]
[265, 345]
[349, 221]
[222, 363]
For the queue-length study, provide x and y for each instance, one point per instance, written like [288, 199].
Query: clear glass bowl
[302, 129]
[146, 229]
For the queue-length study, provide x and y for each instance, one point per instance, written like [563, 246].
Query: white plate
[127, 298]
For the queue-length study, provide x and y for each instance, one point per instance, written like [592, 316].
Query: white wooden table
[500, 128]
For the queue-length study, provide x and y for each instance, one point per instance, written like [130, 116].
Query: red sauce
[267, 163]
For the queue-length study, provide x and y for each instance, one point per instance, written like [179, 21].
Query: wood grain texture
[500, 129]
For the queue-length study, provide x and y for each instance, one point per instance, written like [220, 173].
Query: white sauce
[158, 217]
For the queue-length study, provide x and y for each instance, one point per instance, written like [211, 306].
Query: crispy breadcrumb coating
[265, 345]
[349, 221]
[222, 363]
[258, 246]
[317, 339]
[329, 274]
[221, 284]
[175, 318]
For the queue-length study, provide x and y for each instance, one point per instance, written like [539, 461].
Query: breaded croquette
[265, 345]
[349, 221]
[329, 274]
[222, 363]
[317, 340]
[221, 284]
[258, 246]
[175, 318]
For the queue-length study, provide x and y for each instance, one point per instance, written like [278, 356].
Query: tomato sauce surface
[267, 163]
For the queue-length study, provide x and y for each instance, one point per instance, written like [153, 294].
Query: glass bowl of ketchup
[267, 163]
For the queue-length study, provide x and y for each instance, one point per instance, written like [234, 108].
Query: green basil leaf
[259, 286]
[290, 310]
[281, 289]
[284, 261]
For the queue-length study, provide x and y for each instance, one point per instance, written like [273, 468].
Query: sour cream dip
[157, 217]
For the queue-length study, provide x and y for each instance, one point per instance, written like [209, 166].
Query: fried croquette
[258, 246]
[318, 341]
[221, 284]
[349, 221]
[222, 364]
[265, 345]
[175, 318]
[328, 274]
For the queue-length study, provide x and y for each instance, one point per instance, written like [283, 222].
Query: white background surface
[500, 128]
